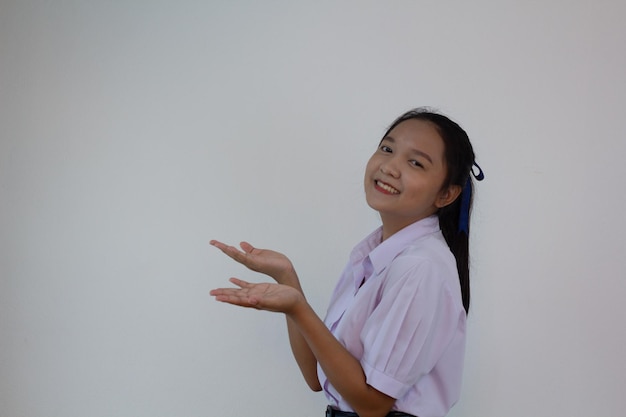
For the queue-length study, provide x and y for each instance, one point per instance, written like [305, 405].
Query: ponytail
[458, 242]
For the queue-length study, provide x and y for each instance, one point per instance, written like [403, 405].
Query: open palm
[265, 261]
[262, 296]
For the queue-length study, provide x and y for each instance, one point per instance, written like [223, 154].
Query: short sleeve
[409, 330]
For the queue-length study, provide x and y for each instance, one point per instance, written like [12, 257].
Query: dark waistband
[331, 412]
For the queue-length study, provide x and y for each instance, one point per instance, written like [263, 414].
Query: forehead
[418, 134]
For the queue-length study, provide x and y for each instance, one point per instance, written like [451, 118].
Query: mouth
[386, 188]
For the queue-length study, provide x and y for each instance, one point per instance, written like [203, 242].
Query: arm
[279, 267]
[301, 351]
[342, 369]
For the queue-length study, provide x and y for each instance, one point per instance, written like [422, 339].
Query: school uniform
[397, 308]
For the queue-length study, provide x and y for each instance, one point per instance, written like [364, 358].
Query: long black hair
[459, 157]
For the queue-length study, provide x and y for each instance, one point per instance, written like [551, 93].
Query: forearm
[342, 369]
[300, 348]
[304, 356]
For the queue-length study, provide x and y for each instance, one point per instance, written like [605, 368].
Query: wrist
[289, 277]
[299, 309]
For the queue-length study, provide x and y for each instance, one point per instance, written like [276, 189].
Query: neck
[391, 226]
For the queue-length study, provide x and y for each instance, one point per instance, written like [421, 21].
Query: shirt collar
[381, 254]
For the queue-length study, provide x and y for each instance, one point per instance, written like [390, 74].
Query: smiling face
[404, 177]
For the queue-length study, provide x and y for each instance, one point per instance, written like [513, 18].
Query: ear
[448, 195]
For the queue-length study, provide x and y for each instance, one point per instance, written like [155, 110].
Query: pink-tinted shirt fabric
[397, 308]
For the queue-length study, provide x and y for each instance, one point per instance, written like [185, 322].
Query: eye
[416, 163]
[385, 148]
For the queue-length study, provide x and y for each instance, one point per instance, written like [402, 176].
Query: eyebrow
[413, 150]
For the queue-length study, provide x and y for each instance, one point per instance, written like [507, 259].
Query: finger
[248, 248]
[230, 251]
[217, 291]
[235, 299]
[221, 246]
[235, 254]
[225, 291]
[241, 283]
[243, 288]
[247, 259]
[217, 244]
[236, 296]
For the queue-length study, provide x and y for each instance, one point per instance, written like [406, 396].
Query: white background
[134, 132]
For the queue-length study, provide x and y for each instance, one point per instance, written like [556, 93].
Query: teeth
[387, 187]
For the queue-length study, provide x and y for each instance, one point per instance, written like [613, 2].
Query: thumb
[248, 248]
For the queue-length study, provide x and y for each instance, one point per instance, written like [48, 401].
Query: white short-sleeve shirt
[397, 308]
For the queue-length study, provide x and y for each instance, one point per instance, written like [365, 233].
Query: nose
[390, 168]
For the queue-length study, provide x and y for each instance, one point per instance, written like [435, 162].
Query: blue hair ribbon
[466, 197]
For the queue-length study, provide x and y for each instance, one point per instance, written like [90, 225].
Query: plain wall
[132, 133]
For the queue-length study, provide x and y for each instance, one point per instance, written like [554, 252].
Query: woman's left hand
[262, 296]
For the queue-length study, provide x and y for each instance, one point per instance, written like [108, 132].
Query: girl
[392, 342]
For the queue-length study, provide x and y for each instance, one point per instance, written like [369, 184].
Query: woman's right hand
[265, 261]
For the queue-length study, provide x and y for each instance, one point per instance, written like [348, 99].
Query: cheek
[422, 190]
[369, 168]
